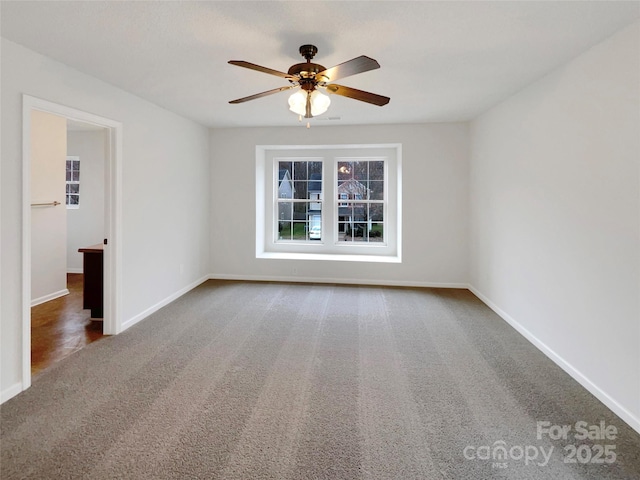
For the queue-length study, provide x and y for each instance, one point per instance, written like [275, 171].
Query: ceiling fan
[308, 101]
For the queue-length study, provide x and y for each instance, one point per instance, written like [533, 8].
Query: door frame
[113, 219]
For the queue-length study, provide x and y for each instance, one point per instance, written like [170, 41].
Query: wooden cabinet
[93, 287]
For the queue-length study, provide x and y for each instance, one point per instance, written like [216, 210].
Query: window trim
[328, 248]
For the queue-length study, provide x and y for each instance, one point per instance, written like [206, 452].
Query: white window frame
[328, 248]
[358, 199]
[72, 182]
[276, 179]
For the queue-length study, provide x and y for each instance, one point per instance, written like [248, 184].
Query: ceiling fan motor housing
[307, 71]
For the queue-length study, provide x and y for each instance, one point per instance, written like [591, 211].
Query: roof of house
[352, 186]
[315, 182]
[282, 173]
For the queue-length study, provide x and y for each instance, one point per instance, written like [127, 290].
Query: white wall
[555, 217]
[435, 204]
[48, 223]
[165, 192]
[85, 225]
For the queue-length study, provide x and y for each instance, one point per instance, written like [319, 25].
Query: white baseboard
[75, 270]
[346, 281]
[154, 308]
[51, 296]
[10, 392]
[611, 403]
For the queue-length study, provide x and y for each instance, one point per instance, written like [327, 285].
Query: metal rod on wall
[55, 203]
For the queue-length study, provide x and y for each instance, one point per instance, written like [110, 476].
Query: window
[329, 202]
[73, 182]
[361, 184]
[299, 182]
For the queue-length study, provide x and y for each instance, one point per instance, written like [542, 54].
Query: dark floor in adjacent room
[61, 327]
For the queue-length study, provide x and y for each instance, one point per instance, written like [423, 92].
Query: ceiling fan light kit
[319, 102]
[308, 101]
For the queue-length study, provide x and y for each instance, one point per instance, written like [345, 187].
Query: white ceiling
[441, 61]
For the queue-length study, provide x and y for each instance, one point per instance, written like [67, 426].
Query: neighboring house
[285, 190]
[285, 184]
[352, 215]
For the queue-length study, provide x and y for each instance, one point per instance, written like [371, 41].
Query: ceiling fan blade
[350, 67]
[253, 66]
[263, 94]
[358, 94]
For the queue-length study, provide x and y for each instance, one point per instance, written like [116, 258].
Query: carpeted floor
[273, 381]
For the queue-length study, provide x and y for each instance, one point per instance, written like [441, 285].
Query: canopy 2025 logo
[583, 448]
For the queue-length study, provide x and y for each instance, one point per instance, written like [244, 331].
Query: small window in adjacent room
[73, 182]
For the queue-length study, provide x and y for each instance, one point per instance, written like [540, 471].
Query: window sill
[330, 257]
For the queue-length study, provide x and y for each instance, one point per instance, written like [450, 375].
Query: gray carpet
[273, 381]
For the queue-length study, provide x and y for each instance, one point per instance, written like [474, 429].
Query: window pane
[315, 167]
[76, 175]
[345, 211]
[300, 211]
[300, 190]
[284, 230]
[68, 175]
[300, 171]
[315, 184]
[345, 170]
[73, 188]
[376, 233]
[285, 211]
[360, 171]
[376, 170]
[376, 211]
[315, 226]
[286, 166]
[73, 200]
[376, 190]
[299, 230]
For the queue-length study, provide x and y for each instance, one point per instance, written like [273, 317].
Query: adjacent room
[320, 239]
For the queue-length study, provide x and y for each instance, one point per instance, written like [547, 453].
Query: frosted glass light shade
[319, 103]
[298, 102]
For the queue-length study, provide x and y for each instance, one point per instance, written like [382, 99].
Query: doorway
[67, 165]
[110, 215]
